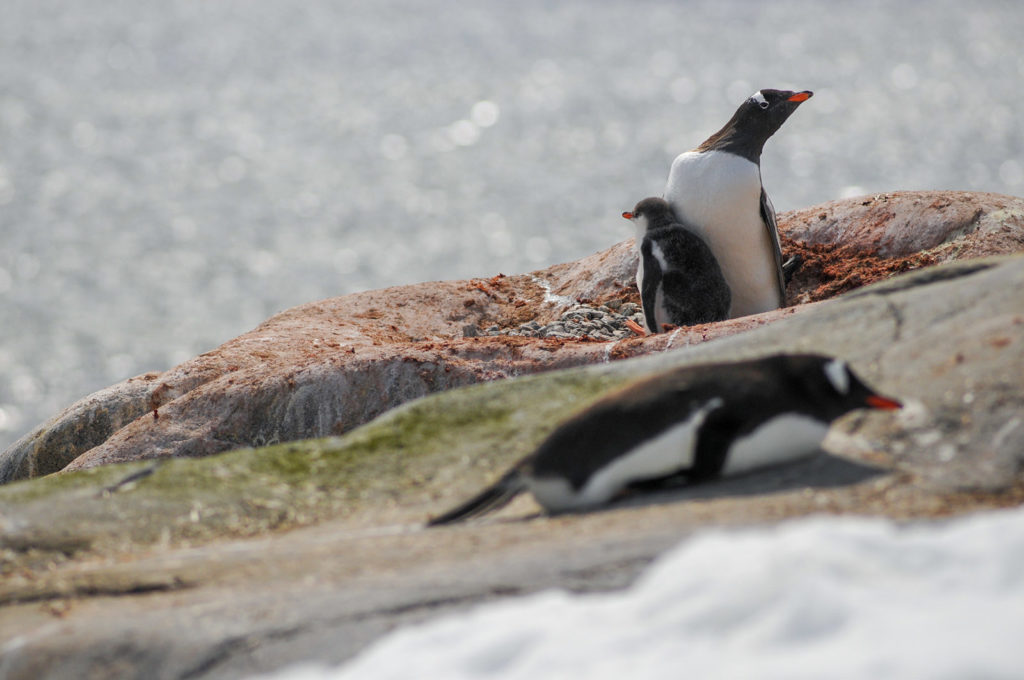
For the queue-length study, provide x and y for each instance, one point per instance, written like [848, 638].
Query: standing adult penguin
[680, 282]
[697, 421]
[716, 189]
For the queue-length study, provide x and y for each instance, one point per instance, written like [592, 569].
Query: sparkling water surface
[172, 173]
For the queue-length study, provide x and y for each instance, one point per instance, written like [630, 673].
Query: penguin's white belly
[666, 454]
[779, 440]
[660, 313]
[718, 194]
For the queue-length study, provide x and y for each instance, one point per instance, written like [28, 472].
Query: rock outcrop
[326, 367]
[181, 568]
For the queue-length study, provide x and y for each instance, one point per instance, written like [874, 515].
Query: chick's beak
[628, 215]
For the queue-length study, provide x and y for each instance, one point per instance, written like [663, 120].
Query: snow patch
[819, 597]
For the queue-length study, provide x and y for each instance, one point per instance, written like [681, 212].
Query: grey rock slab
[160, 585]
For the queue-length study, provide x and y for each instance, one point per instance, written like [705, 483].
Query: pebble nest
[581, 321]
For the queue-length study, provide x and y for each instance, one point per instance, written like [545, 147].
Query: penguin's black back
[737, 397]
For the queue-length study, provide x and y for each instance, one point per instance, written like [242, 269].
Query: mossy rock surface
[394, 467]
[258, 558]
[414, 460]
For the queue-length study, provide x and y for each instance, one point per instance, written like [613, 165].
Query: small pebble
[582, 321]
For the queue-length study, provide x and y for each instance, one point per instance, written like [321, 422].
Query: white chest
[779, 440]
[718, 195]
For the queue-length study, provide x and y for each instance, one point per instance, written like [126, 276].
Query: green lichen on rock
[930, 335]
[403, 459]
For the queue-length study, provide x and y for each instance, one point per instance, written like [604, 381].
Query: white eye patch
[837, 374]
[759, 99]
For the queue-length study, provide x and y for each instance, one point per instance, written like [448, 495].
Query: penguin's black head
[769, 109]
[757, 119]
[833, 387]
[651, 212]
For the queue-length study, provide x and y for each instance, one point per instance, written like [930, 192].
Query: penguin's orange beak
[628, 215]
[883, 403]
[801, 96]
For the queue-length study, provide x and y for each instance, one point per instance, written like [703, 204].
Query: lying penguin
[700, 422]
[679, 278]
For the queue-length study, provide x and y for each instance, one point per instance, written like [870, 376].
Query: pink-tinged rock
[955, 224]
[326, 367]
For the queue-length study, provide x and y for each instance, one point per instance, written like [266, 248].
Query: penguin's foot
[636, 328]
[666, 327]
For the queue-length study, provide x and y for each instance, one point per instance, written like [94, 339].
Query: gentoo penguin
[716, 190]
[698, 422]
[679, 280]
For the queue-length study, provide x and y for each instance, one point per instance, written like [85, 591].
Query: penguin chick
[699, 422]
[679, 279]
[716, 190]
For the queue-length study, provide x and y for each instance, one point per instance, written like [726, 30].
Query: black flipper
[649, 285]
[496, 496]
[768, 215]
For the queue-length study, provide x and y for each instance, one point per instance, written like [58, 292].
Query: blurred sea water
[174, 172]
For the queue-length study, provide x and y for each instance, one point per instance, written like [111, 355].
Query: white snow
[813, 598]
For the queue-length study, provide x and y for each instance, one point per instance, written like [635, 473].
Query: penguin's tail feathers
[496, 496]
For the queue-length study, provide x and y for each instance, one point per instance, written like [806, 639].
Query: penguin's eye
[759, 99]
[763, 104]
